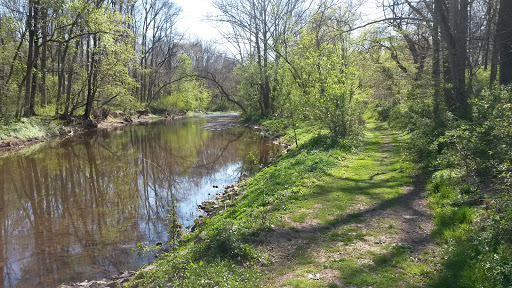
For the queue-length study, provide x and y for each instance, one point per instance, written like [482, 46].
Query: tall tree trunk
[30, 58]
[436, 61]
[44, 57]
[267, 104]
[61, 75]
[19, 102]
[261, 78]
[505, 40]
[495, 59]
[495, 53]
[33, 90]
[71, 71]
[454, 28]
[488, 32]
[90, 94]
[144, 59]
[459, 76]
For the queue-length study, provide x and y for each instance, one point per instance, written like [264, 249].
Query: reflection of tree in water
[64, 213]
[4, 265]
[74, 211]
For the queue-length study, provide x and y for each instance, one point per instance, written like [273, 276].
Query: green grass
[308, 201]
[374, 176]
[299, 218]
[31, 128]
[474, 252]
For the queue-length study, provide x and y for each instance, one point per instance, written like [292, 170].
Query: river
[74, 209]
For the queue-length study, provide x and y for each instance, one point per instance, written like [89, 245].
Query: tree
[324, 85]
[504, 35]
[109, 53]
[155, 23]
[258, 32]
[30, 80]
[218, 70]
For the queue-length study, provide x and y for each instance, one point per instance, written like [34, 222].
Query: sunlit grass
[26, 129]
[310, 195]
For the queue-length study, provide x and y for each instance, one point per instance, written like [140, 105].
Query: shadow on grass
[476, 254]
[382, 269]
[400, 203]
[377, 176]
[378, 187]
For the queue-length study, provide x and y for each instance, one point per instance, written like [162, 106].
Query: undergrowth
[33, 128]
[469, 191]
[477, 252]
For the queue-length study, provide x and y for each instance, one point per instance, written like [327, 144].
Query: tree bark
[44, 58]
[488, 32]
[30, 58]
[436, 61]
[459, 76]
[33, 90]
[70, 79]
[505, 41]
[90, 94]
[61, 60]
[454, 28]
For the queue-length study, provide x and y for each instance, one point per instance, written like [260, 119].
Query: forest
[437, 71]
[301, 58]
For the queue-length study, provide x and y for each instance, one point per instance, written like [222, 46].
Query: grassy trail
[365, 223]
[318, 217]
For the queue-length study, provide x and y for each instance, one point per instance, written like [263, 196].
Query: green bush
[470, 189]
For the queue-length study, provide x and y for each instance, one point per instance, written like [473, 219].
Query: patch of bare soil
[410, 213]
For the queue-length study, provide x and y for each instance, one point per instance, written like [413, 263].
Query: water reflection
[73, 210]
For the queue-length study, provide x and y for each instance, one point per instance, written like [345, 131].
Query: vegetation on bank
[30, 129]
[469, 191]
[39, 128]
[221, 253]
[312, 199]
[337, 213]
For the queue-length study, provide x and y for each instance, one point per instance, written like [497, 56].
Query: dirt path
[369, 226]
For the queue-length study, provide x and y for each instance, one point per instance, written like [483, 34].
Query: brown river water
[74, 209]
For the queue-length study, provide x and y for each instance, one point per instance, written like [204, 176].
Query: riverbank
[320, 216]
[29, 131]
[98, 175]
[38, 129]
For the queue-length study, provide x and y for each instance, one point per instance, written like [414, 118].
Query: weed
[26, 129]
[299, 218]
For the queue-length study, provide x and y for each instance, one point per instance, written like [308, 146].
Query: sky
[194, 24]
[193, 21]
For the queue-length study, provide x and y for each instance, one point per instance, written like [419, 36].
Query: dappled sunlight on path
[366, 224]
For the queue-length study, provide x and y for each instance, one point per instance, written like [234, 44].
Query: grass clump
[31, 128]
[182, 272]
[394, 267]
[477, 252]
